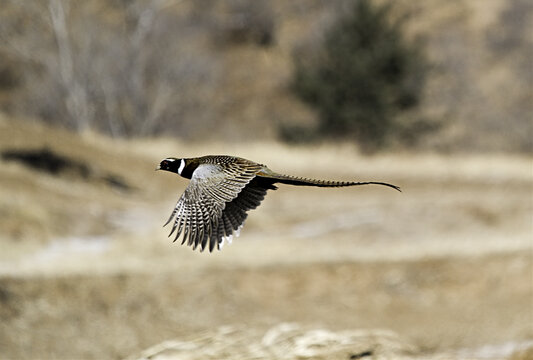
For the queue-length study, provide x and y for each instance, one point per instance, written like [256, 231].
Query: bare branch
[76, 100]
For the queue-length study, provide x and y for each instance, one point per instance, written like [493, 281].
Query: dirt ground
[436, 305]
[446, 266]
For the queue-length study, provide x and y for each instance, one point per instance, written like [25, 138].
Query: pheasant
[222, 189]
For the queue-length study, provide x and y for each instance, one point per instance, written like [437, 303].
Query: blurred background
[433, 96]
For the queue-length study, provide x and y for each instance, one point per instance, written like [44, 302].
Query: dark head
[172, 164]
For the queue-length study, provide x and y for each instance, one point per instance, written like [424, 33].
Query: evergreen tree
[364, 76]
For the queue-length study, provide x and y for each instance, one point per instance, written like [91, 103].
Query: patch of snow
[495, 351]
[70, 246]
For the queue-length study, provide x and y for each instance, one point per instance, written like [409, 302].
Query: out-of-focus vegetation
[362, 81]
[222, 69]
[123, 68]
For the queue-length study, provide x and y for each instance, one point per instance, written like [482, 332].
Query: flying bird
[220, 192]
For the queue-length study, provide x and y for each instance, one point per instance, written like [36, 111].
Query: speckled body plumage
[222, 190]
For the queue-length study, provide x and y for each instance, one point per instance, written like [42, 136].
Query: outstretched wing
[235, 212]
[203, 214]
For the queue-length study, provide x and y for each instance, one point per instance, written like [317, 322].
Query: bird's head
[172, 164]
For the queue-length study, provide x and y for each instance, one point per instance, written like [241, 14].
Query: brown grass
[88, 272]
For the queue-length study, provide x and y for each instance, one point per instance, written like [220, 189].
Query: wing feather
[199, 214]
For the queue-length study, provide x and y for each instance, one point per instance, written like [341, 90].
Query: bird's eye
[164, 163]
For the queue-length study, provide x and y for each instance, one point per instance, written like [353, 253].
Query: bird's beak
[158, 167]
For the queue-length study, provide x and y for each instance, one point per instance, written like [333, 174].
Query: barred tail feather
[293, 180]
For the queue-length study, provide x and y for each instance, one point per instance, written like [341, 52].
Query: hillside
[226, 66]
[441, 270]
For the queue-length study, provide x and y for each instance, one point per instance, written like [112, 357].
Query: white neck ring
[182, 166]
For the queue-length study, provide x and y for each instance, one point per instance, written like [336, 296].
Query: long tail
[293, 180]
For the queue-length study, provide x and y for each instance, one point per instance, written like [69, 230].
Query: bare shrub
[125, 72]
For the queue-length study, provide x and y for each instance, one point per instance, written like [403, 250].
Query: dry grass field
[443, 270]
